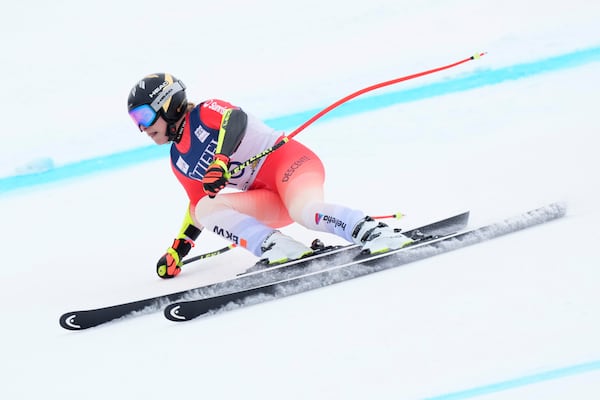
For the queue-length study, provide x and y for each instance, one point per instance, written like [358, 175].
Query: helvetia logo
[318, 218]
[327, 219]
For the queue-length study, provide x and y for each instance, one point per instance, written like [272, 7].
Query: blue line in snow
[473, 80]
[518, 382]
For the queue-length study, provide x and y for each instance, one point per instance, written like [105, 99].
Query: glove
[169, 265]
[217, 175]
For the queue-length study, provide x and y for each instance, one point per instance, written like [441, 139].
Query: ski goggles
[146, 115]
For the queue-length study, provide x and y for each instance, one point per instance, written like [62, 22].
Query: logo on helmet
[158, 89]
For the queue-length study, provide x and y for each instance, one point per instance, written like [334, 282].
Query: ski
[255, 276]
[187, 310]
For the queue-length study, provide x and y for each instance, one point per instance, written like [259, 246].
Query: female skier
[286, 186]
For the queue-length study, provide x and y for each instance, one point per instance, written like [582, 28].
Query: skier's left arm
[231, 132]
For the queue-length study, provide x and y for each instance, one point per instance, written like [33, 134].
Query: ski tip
[172, 313]
[560, 208]
[69, 322]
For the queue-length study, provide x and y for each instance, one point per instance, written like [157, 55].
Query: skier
[286, 186]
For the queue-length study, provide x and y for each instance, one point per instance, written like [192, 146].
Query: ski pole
[287, 138]
[209, 254]
[397, 215]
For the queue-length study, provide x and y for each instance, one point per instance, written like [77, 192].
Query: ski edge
[212, 305]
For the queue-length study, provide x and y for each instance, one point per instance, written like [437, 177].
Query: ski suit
[284, 187]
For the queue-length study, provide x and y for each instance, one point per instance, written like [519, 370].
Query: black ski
[255, 276]
[424, 248]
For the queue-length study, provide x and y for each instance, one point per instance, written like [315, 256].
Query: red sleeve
[211, 112]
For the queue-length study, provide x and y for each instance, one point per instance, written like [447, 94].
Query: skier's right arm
[169, 265]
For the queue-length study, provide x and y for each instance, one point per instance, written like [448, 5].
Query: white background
[512, 307]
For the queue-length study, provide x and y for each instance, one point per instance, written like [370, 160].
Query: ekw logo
[230, 236]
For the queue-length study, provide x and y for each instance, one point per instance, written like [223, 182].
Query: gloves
[217, 175]
[169, 265]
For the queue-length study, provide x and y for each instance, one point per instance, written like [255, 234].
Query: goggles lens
[143, 116]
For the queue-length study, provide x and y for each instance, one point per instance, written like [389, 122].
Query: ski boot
[377, 237]
[279, 248]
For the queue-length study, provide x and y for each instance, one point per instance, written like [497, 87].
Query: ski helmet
[159, 94]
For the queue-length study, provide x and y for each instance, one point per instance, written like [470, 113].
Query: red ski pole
[397, 215]
[283, 141]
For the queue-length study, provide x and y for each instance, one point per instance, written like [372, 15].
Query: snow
[512, 318]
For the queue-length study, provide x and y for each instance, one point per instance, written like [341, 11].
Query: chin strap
[173, 133]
